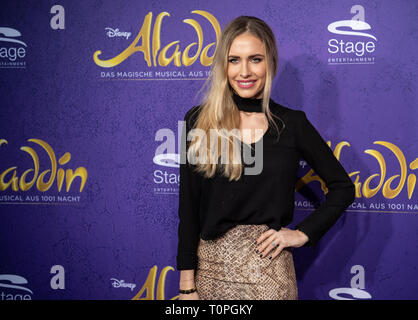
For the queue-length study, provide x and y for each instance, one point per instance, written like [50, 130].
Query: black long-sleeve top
[208, 207]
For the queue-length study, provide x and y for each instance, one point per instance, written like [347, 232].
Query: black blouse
[209, 207]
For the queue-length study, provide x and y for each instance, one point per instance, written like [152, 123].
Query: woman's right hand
[189, 296]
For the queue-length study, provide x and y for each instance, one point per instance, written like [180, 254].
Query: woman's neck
[248, 104]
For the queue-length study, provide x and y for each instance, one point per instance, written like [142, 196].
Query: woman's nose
[245, 71]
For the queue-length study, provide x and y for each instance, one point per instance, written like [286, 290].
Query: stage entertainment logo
[166, 177]
[12, 288]
[357, 290]
[185, 59]
[350, 43]
[12, 49]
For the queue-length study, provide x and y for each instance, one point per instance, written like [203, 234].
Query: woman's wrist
[303, 235]
[187, 276]
[188, 291]
[187, 284]
[187, 287]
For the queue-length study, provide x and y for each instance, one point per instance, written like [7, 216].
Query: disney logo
[116, 33]
[122, 284]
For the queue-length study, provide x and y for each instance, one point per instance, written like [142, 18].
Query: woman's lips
[245, 84]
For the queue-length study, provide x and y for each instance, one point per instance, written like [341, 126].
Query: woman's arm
[189, 201]
[341, 191]
[189, 224]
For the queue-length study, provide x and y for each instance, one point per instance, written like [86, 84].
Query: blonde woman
[237, 178]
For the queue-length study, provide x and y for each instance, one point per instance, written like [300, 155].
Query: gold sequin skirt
[230, 269]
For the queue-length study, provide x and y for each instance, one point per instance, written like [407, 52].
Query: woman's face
[247, 66]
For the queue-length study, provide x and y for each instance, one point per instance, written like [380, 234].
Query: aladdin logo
[154, 289]
[357, 287]
[384, 183]
[11, 281]
[155, 54]
[122, 284]
[354, 27]
[111, 33]
[38, 179]
[12, 52]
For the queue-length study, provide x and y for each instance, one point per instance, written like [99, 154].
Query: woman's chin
[245, 93]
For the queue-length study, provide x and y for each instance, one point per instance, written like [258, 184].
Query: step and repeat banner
[93, 97]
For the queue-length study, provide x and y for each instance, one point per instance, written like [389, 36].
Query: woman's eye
[257, 60]
[233, 60]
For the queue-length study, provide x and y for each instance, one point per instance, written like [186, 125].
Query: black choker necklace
[248, 104]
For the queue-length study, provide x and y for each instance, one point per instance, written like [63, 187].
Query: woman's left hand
[272, 242]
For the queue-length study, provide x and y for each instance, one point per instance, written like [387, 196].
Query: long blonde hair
[218, 110]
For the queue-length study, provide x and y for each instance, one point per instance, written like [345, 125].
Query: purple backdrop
[88, 171]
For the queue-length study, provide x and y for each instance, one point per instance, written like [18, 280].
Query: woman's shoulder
[282, 110]
[287, 114]
[192, 112]
[191, 115]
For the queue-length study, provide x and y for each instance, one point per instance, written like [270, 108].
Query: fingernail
[261, 255]
[270, 258]
[256, 251]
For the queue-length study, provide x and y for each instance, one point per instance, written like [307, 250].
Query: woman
[233, 243]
